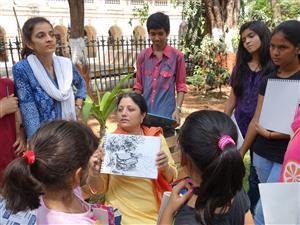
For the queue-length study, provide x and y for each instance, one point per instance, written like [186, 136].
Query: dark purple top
[246, 103]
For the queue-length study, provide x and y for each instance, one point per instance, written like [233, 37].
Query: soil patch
[193, 101]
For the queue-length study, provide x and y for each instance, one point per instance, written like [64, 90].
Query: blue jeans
[253, 192]
[267, 172]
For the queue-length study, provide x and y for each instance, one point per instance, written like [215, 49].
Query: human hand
[242, 154]
[177, 199]
[176, 116]
[262, 131]
[8, 105]
[79, 102]
[78, 114]
[95, 162]
[162, 161]
[78, 109]
[20, 143]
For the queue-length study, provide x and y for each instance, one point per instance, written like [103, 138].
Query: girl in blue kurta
[44, 82]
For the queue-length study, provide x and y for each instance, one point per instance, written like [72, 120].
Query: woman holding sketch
[138, 199]
[252, 64]
[269, 146]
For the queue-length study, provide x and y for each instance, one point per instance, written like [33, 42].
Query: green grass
[247, 167]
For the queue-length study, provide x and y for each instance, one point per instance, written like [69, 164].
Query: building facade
[102, 17]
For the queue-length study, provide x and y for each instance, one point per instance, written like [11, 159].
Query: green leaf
[86, 110]
[106, 103]
[98, 95]
[110, 109]
[119, 85]
[105, 99]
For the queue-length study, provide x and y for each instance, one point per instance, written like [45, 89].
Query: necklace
[257, 67]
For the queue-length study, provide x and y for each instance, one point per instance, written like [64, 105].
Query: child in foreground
[209, 156]
[48, 177]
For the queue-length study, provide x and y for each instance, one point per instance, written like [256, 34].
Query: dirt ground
[212, 100]
[193, 101]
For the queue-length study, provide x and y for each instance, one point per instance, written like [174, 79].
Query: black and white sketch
[130, 155]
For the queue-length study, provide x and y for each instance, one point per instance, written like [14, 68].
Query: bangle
[270, 134]
[179, 108]
[91, 190]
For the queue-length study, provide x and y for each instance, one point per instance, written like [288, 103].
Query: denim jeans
[253, 192]
[267, 172]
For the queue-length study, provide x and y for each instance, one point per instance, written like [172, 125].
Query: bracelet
[91, 190]
[179, 108]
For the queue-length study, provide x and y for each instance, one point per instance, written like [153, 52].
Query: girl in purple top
[48, 177]
[253, 62]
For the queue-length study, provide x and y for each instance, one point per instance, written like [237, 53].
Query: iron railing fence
[108, 58]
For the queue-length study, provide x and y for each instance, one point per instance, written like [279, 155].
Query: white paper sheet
[280, 202]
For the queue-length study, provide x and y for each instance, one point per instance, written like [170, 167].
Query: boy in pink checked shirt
[161, 71]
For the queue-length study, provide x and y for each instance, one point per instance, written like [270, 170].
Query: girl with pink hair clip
[210, 158]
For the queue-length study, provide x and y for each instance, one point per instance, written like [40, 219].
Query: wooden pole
[18, 24]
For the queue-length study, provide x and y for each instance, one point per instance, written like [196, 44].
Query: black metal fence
[108, 59]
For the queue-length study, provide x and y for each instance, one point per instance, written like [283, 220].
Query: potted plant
[104, 106]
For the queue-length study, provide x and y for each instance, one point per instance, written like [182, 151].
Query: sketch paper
[280, 202]
[131, 155]
[280, 105]
[240, 136]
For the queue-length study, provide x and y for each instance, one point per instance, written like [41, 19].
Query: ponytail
[208, 138]
[20, 189]
[221, 180]
[59, 149]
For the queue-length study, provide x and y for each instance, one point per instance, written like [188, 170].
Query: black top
[271, 149]
[234, 216]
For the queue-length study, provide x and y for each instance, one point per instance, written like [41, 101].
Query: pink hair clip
[224, 140]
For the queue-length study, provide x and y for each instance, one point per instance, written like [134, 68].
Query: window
[85, 1]
[112, 1]
[161, 2]
[137, 2]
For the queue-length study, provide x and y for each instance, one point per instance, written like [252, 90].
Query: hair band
[225, 140]
[29, 155]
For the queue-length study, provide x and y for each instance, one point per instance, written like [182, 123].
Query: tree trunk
[77, 18]
[77, 41]
[221, 15]
[275, 11]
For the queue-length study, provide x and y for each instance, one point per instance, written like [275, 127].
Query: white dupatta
[64, 74]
